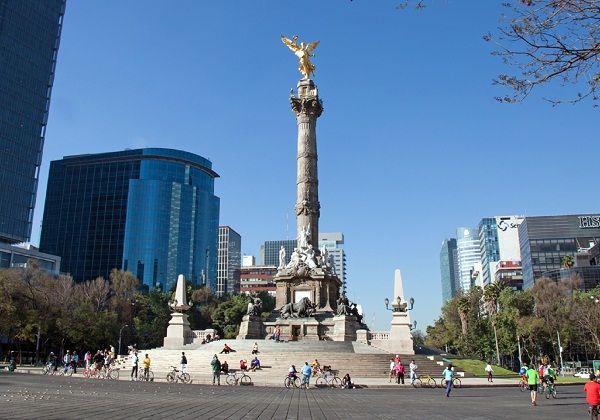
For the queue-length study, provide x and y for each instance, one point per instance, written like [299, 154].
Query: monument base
[251, 328]
[179, 332]
[323, 326]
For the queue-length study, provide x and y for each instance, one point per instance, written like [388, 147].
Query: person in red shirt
[592, 394]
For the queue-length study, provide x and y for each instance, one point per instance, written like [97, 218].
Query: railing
[201, 334]
[379, 335]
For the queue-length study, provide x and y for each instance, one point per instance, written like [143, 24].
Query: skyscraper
[334, 241]
[449, 269]
[149, 211]
[229, 261]
[468, 253]
[29, 39]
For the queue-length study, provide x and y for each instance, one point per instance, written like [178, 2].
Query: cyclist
[292, 372]
[306, 371]
[522, 372]
[549, 374]
[52, 361]
[98, 360]
[592, 394]
[12, 362]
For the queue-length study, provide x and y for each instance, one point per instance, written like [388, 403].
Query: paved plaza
[25, 396]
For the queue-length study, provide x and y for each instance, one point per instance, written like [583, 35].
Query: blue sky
[411, 142]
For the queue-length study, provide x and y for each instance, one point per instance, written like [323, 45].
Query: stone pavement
[36, 396]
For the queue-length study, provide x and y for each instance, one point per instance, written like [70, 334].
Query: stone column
[308, 107]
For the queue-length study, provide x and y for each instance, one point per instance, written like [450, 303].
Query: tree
[567, 261]
[550, 41]
[464, 308]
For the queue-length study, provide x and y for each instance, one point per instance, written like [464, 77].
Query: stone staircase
[357, 359]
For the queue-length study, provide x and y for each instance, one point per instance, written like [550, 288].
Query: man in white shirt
[413, 371]
[490, 372]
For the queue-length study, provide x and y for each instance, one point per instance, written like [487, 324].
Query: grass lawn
[477, 368]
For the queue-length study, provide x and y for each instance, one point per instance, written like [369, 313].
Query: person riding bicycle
[292, 372]
[98, 360]
[522, 372]
[12, 362]
[53, 361]
[549, 374]
[592, 394]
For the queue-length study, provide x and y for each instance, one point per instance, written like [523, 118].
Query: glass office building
[488, 247]
[269, 252]
[468, 254]
[546, 240]
[449, 269]
[151, 211]
[334, 242]
[29, 40]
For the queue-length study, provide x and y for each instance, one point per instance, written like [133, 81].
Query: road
[25, 396]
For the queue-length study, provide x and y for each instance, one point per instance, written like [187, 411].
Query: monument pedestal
[179, 332]
[400, 336]
[251, 328]
[344, 328]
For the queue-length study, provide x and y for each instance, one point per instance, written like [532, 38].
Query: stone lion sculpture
[302, 309]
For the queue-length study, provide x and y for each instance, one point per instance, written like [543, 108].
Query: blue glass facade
[149, 211]
[449, 269]
[29, 40]
[488, 246]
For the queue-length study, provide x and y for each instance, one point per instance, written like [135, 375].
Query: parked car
[583, 372]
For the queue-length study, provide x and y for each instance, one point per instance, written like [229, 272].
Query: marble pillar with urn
[400, 341]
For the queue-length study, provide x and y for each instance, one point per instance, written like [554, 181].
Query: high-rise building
[510, 274]
[269, 252]
[498, 241]
[229, 261]
[449, 269]
[333, 242]
[546, 240]
[29, 40]
[468, 254]
[149, 211]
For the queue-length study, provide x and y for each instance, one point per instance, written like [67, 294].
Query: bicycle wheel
[554, 391]
[431, 383]
[321, 382]
[522, 386]
[230, 380]
[287, 382]
[336, 382]
[171, 377]
[45, 370]
[297, 382]
[417, 383]
[456, 383]
[245, 380]
[113, 374]
[151, 376]
[186, 378]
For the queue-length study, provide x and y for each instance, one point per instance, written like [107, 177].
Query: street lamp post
[120, 332]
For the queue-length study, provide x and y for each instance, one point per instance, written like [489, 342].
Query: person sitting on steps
[227, 349]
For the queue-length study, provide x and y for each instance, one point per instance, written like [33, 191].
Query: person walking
[183, 362]
[532, 380]
[134, 365]
[413, 371]
[216, 368]
[448, 375]
[490, 372]
[399, 372]
[88, 360]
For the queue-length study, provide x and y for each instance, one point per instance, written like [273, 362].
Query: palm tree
[567, 261]
[464, 307]
[491, 293]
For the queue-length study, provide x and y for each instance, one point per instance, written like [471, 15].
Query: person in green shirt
[532, 380]
[216, 369]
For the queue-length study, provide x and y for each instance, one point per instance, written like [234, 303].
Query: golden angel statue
[303, 52]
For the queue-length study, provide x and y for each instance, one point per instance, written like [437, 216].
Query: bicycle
[149, 377]
[523, 386]
[292, 382]
[428, 382]
[594, 410]
[48, 369]
[68, 371]
[235, 377]
[175, 376]
[112, 373]
[328, 378]
[549, 389]
[455, 383]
